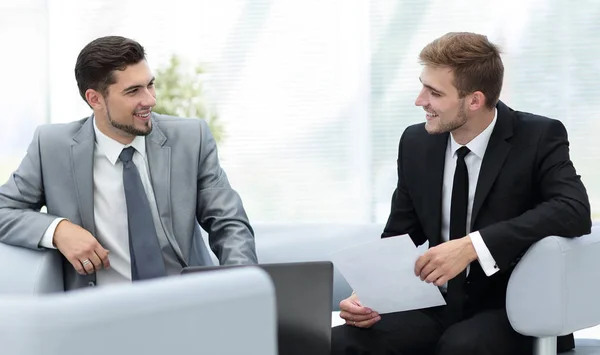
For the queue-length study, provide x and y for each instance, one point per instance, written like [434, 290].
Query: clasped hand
[443, 262]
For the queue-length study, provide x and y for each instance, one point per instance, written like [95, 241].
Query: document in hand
[382, 275]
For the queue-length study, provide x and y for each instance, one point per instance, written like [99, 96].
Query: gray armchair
[554, 290]
[26, 272]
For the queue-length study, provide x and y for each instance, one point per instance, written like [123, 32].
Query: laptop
[303, 292]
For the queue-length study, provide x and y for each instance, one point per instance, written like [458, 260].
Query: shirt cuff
[486, 260]
[48, 238]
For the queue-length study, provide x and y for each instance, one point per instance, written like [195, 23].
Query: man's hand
[79, 247]
[443, 262]
[356, 315]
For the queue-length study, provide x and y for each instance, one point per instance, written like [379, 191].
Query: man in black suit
[481, 183]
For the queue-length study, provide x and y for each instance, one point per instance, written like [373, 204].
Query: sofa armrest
[27, 271]
[225, 312]
[554, 288]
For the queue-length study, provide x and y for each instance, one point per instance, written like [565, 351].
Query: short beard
[130, 129]
[459, 121]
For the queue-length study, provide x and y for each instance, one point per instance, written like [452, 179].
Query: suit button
[91, 284]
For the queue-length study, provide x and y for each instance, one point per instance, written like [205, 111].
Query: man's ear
[476, 101]
[94, 99]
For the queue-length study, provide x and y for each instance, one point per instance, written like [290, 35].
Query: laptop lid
[303, 295]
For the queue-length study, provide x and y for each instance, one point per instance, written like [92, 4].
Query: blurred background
[308, 98]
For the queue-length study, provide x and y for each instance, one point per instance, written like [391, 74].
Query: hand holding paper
[354, 313]
[382, 273]
[443, 262]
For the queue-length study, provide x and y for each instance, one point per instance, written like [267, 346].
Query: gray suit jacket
[188, 182]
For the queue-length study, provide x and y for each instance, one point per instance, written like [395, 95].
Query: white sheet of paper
[336, 320]
[382, 275]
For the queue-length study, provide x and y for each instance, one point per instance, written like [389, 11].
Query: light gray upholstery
[554, 289]
[25, 271]
[196, 313]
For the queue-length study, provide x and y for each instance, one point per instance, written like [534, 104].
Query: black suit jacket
[527, 189]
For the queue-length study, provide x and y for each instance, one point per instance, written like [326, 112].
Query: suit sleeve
[219, 208]
[21, 198]
[564, 210]
[403, 218]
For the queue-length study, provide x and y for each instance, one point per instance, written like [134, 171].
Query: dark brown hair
[98, 60]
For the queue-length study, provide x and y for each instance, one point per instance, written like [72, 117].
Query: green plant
[180, 92]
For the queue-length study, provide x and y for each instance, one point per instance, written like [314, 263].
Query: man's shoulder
[176, 122]
[532, 125]
[60, 131]
[179, 125]
[416, 134]
[530, 118]
[417, 129]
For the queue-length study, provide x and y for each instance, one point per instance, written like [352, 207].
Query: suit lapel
[159, 164]
[434, 170]
[494, 158]
[82, 165]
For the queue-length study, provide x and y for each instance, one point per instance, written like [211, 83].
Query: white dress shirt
[110, 209]
[473, 161]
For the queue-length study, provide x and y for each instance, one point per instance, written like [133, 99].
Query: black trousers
[422, 332]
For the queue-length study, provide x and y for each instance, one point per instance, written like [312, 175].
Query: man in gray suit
[125, 189]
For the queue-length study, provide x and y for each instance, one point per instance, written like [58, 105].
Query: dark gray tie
[146, 257]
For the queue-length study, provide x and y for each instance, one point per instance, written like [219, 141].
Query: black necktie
[146, 257]
[458, 229]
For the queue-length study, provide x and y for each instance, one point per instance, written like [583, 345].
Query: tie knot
[462, 152]
[127, 154]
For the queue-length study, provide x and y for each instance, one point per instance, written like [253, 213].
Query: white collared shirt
[110, 209]
[473, 161]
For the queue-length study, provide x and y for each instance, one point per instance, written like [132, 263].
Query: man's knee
[459, 343]
[347, 340]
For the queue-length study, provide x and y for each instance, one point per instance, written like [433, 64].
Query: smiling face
[445, 110]
[124, 111]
